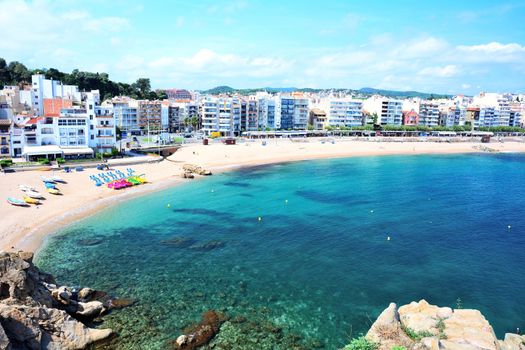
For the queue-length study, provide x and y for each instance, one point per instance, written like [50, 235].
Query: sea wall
[422, 326]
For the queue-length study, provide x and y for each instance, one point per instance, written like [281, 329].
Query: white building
[291, 112]
[220, 115]
[342, 111]
[388, 111]
[497, 105]
[48, 89]
[428, 113]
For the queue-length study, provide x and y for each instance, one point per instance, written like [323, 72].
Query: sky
[431, 46]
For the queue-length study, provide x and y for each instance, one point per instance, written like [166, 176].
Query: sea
[306, 255]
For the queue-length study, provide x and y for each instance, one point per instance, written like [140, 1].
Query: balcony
[105, 126]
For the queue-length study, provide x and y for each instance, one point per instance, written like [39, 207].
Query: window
[92, 137]
[91, 127]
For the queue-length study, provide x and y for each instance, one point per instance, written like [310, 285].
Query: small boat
[53, 190]
[58, 179]
[34, 194]
[16, 201]
[49, 185]
[30, 200]
[26, 188]
[47, 179]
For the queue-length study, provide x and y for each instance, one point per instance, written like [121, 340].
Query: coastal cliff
[422, 326]
[35, 313]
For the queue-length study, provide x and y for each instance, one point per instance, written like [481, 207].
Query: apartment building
[49, 89]
[179, 95]
[497, 106]
[149, 115]
[428, 113]
[125, 112]
[266, 110]
[292, 112]
[342, 111]
[388, 111]
[220, 114]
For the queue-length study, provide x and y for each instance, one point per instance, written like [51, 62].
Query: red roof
[33, 121]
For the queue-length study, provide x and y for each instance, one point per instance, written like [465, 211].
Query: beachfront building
[410, 118]
[149, 115]
[125, 112]
[220, 115]
[5, 138]
[428, 113]
[387, 110]
[292, 112]
[249, 116]
[450, 116]
[340, 112]
[266, 110]
[318, 119]
[497, 106]
[181, 115]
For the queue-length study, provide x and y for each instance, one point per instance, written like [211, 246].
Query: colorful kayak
[26, 188]
[30, 200]
[47, 179]
[53, 190]
[16, 201]
[49, 185]
[34, 194]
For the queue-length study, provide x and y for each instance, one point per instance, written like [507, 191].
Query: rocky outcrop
[35, 313]
[195, 169]
[422, 326]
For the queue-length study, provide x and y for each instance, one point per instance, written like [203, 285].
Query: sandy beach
[25, 228]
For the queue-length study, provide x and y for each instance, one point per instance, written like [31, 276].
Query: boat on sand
[16, 201]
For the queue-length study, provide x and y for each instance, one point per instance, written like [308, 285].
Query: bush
[43, 161]
[399, 348]
[61, 160]
[417, 336]
[361, 343]
[114, 152]
[4, 163]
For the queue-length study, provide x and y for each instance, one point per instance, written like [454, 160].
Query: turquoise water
[317, 267]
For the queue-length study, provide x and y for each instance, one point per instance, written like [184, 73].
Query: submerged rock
[179, 242]
[207, 246]
[200, 334]
[121, 303]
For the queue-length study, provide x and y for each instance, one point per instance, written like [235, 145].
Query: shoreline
[82, 199]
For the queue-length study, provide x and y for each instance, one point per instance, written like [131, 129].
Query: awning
[41, 150]
[76, 151]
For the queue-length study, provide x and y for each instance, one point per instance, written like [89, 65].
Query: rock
[34, 312]
[91, 309]
[179, 242]
[387, 330]
[5, 344]
[182, 340]
[121, 303]
[41, 327]
[190, 168]
[201, 333]
[89, 242]
[85, 293]
[207, 246]
[422, 317]
[513, 342]
[469, 327]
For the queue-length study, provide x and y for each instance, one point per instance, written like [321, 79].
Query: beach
[26, 228]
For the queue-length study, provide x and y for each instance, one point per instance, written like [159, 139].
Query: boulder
[41, 327]
[513, 342]
[85, 293]
[387, 330]
[91, 309]
[423, 317]
[469, 328]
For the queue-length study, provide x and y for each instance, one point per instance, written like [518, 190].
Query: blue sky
[439, 46]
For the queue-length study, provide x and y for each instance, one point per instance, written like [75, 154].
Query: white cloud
[449, 70]
[179, 22]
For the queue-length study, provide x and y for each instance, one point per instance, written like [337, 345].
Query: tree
[18, 73]
[4, 73]
[143, 86]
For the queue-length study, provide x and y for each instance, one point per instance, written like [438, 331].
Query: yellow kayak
[53, 190]
[30, 200]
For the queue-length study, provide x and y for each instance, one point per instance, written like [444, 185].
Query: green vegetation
[440, 325]
[417, 336]
[17, 73]
[399, 348]
[361, 343]
[61, 160]
[43, 161]
[4, 163]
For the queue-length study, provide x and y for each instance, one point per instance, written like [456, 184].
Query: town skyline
[447, 48]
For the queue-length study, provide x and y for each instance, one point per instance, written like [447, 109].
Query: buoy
[259, 218]
[286, 201]
[388, 238]
[509, 227]
[169, 205]
[212, 191]
[371, 211]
